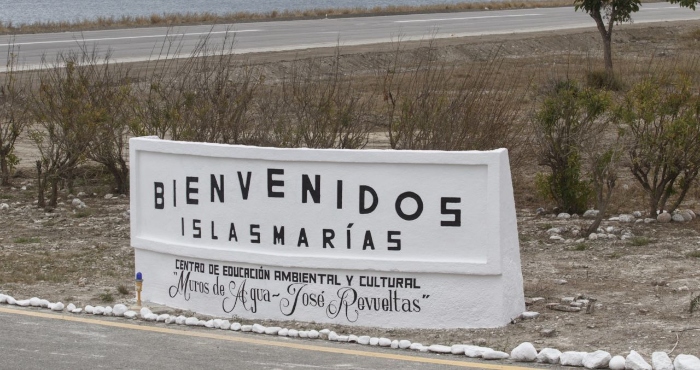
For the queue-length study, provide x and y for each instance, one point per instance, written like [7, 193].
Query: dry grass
[173, 19]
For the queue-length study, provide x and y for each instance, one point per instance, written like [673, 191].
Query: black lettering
[272, 183]
[189, 190]
[213, 235]
[254, 233]
[245, 186]
[375, 199]
[232, 232]
[216, 188]
[159, 195]
[419, 203]
[307, 189]
[456, 212]
[302, 238]
[277, 235]
[197, 228]
[339, 199]
[328, 235]
[368, 241]
[391, 239]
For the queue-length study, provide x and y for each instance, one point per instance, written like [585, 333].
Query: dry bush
[431, 107]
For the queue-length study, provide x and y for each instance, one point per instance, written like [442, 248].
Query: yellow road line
[306, 347]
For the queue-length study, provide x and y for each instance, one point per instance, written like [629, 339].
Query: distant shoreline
[183, 19]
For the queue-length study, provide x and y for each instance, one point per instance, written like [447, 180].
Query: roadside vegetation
[80, 108]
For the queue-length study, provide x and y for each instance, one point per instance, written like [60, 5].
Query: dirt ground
[641, 287]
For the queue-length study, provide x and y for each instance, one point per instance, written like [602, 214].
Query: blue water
[29, 11]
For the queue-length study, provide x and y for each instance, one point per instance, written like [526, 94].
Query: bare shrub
[14, 115]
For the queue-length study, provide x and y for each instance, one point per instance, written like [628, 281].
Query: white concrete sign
[412, 239]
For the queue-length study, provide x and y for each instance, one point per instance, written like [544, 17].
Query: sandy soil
[642, 286]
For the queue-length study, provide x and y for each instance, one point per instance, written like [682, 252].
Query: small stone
[617, 363]
[457, 349]
[170, 320]
[592, 236]
[548, 333]
[145, 311]
[686, 362]
[559, 282]
[572, 358]
[415, 346]
[325, 331]
[72, 307]
[192, 321]
[293, 333]
[614, 219]
[394, 344]
[438, 348]
[352, 338]
[99, 310]
[384, 342]
[332, 336]
[108, 196]
[58, 306]
[341, 338]
[596, 360]
[283, 332]
[609, 229]
[272, 330]
[540, 211]
[108, 311]
[494, 355]
[217, 323]
[363, 339]
[591, 214]
[119, 309]
[257, 328]
[209, 324]
[549, 356]
[649, 220]
[664, 217]
[202, 323]
[305, 334]
[180, 320]
[525, 352]
[76, 202]
[79, 310]
[475, 351]
[554, 230]
[677, 217]
[129, 314]
[556, 237]
[373, 341]
[686, 216]
[661, 361]
[564, 216]
[637, 214]
[635, 361]
[35, 302]
[626, 218]
[404, 344]
[246, 328]
[89, 309]
[423, 349]
[313, 334]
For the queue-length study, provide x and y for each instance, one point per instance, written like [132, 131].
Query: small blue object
[139, 276]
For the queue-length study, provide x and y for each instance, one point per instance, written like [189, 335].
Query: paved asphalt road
[40, 339]
[143, 43]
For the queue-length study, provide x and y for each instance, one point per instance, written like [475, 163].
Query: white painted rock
[201, 323]
[333, 336]
[273, 330]
[236, 326]
[617, 363]
[99, 310]
[572, 358]
[564, 216]
[23, 303]
[225, 325]
[475, 351]
[109, 311]
[283, 332]
[293, 333]
[686, 362]
[439, 348]
[404, 344]
[373, 341]
[549, 356]
[598, 359]
[591, 213]
[145, 311]
[180, 320]
[162, 318]
[72, 307]
[305, 334]
[151, 317]
[3, 298]
[395, 344]
[593, 236]
[363, 339]
[119, 309]
[525, 352]
[170, 320]
[313, 334]
[217, 323]
[352, 338]
[635, 361]
[423, 349]
[257, 328]
[129, 314]
[44, 303]
[527, 315]
[209, 324]
[457, 349]
[341, 338]
[89, 309]
[191, 321]
[626, 218]
[58, 306]
[35, 302]
[384, 342]
[11, 300]
[494, 355]
[79, 310]
[661, 361]
[415, 346]
[246, 328]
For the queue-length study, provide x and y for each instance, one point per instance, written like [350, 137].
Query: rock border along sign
[406, 239]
